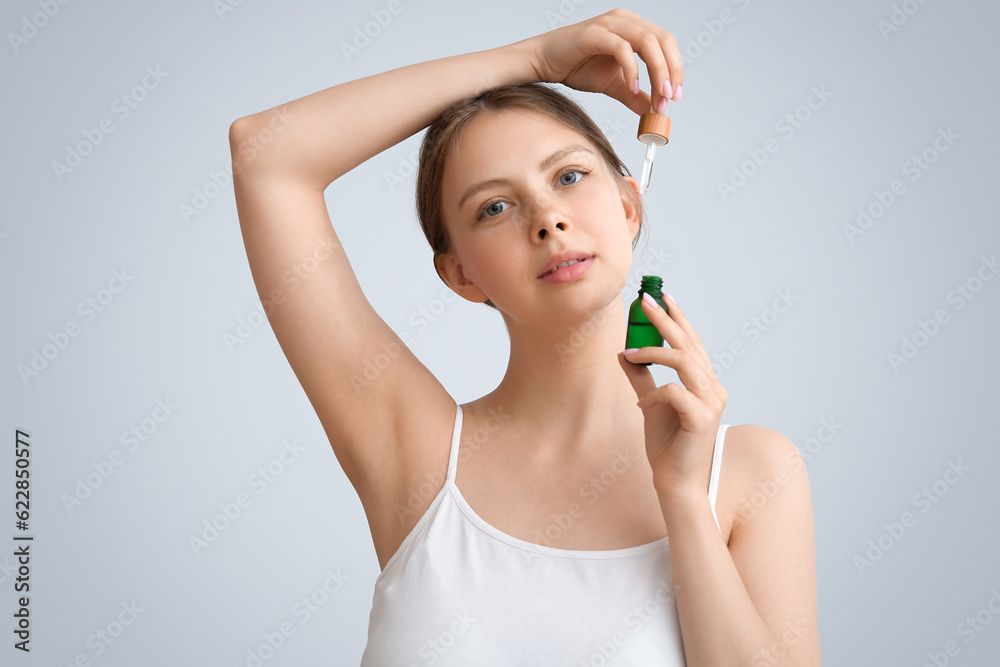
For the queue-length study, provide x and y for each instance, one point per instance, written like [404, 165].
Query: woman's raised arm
[283, 160]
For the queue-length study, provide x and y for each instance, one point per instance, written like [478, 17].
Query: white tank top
[460, 592]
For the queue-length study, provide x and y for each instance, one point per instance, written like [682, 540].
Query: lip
[564, 257]
[570, 272]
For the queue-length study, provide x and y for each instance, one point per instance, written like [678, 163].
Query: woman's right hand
[596, 56]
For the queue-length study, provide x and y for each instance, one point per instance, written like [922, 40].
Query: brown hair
[443, 134]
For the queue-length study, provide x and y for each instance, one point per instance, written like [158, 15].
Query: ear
[453, 275]
[633, 207]
[634, 184]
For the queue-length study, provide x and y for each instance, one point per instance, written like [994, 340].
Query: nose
[546, 217]
[545, 229]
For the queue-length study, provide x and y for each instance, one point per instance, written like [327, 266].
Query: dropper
[654, 130]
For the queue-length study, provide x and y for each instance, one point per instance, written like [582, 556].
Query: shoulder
[772, 542]
[759, 449]
[762, 464]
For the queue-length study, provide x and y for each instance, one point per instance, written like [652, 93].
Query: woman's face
[504, 234]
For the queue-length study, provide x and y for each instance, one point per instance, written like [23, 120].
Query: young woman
[581, 527]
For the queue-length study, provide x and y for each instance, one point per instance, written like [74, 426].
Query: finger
[622, 89]
[659, 45]
[668, 328]
[674, 75]
[677, 314]
[638, 376]
[673, 55]
[692, 412]
[601, 39]
[698, 379]
[673, 325]
[641, 38]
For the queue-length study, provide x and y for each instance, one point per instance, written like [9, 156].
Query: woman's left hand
[681, 421]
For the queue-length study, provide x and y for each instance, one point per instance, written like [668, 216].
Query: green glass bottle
[641, 332]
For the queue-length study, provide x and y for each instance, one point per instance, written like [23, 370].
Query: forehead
[503, 144]
[494, 128]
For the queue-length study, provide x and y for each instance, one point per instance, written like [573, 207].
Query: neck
[564, 387]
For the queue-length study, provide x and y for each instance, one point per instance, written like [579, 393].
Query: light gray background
[826, 359]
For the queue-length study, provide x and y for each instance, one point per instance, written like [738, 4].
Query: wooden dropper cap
[654, 128]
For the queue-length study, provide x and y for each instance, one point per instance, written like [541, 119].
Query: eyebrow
[542, 166]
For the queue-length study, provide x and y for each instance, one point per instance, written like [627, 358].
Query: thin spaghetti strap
[456, 436]
[713, 482]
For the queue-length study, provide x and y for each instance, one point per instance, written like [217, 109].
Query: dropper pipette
[647, 168]
[654, 130]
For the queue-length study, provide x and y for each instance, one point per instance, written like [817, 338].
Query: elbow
[247, 139]
[254, 144]
[240, 148]
[236, 131]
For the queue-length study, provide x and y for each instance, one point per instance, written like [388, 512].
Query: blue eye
[566, 173]
[489, 205]
[574, 170]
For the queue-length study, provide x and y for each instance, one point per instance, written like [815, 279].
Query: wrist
[518, 63]
[681, 496]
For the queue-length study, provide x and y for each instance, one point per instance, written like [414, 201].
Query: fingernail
[669, 298]
[661, 106]
[635, 86]
[631, 350]
[676, 97]
[667, 88]
[650, 300]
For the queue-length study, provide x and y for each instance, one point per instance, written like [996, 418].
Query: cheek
[498, 267]
[491, 265]
[614, 237]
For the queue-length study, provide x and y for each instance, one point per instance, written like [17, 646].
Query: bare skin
[570, 415]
